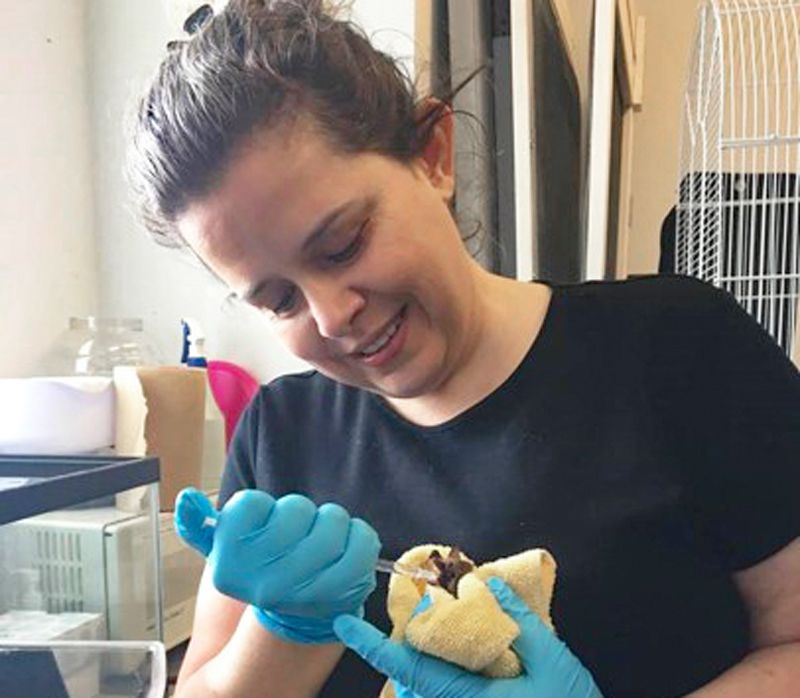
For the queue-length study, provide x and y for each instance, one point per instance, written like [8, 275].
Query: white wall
[47, 251]
[389, 25]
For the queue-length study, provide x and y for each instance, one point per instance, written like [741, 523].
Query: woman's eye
[286, 303]
[350, 250]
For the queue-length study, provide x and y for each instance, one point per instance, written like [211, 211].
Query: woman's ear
[435, 121]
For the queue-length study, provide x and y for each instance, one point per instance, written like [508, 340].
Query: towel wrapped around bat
[469, 629]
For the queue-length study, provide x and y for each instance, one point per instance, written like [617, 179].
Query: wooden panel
[423, 45]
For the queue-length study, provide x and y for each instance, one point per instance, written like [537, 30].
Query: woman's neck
[505, 320]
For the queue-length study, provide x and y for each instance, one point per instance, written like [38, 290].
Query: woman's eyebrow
[324, 225]
[365, 205]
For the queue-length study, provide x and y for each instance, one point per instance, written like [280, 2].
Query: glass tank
[75, 568]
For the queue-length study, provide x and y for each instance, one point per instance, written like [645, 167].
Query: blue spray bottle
[193, 356]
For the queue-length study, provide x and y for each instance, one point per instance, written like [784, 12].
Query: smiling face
[354, 256]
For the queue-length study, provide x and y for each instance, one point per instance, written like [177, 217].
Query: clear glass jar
[93, 346]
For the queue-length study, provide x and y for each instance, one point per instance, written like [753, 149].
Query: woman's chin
[417, 378]
[405, 385]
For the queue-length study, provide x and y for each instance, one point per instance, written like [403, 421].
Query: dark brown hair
[253, 66]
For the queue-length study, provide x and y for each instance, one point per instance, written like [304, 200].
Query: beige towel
[471, 630]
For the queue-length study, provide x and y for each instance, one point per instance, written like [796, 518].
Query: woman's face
[356, 258]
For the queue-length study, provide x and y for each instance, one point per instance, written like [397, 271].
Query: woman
[645, 432]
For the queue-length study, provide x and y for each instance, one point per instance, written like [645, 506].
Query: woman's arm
[771, 591]
[232, 654]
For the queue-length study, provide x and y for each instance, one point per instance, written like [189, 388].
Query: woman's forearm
[257, 664]
[773, 672]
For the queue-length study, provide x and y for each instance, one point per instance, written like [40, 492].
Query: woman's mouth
[385, 347]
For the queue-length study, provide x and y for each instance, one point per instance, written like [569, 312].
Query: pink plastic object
[232, 388]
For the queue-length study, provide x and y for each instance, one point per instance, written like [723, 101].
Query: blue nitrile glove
[192, 508]
[550, 670]
[298, 565]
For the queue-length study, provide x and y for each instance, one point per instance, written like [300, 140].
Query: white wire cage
[738, 222]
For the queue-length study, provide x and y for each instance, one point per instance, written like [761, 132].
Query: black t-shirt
[649, 439]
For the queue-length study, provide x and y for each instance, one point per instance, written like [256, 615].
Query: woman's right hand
[297, 564]
[549, 667]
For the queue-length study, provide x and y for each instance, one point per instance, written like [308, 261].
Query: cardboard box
[160, 412]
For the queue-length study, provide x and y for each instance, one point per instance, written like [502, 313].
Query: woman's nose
[334, 308]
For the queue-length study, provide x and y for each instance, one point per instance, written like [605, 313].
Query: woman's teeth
[383, 340]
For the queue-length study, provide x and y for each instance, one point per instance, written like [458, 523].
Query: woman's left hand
[298, 565]
[549, 669]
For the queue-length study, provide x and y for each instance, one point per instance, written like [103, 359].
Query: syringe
[382, 565]
[391, 567]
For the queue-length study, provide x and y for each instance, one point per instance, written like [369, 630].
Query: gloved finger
[351, 578]
[536, 643]
[324, 544]
[255, 530]
[417, 672]
[291, 520]
[191, 509]
[195, 504]
[245, 512]
[390, 658]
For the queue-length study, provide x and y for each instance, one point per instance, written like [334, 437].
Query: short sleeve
[240, 462]
[741, 468]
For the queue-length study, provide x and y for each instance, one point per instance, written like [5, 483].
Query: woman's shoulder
[654, 298]
[663, 311]
[665, 288]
